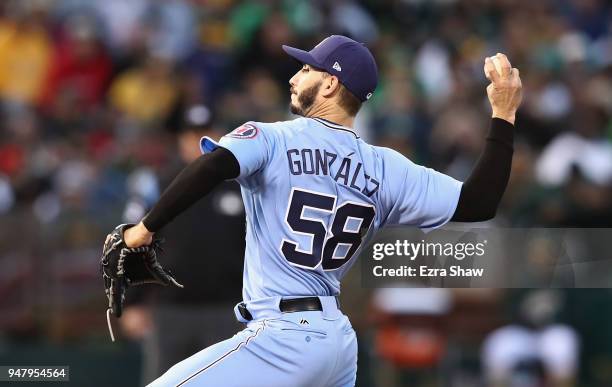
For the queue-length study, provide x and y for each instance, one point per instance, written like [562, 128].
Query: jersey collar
[332, 125]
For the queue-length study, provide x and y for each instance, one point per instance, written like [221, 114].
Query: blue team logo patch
[244, 132]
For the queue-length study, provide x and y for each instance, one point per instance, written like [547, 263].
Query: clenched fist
[505, 90]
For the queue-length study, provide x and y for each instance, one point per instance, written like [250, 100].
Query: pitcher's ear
[332, 85]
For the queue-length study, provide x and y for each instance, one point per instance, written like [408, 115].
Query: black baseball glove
[124, 266]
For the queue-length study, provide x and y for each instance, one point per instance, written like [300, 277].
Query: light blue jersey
[315, 193]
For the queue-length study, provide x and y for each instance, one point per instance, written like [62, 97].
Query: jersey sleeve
[249, 145]
[417, 195]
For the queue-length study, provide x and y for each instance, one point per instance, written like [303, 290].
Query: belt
[288, 305]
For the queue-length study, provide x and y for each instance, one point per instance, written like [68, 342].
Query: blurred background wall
[94, 97]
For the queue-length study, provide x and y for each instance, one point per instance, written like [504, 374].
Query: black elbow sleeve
[484, 188]
[195, 181]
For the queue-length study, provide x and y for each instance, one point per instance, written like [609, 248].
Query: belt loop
[330, 307]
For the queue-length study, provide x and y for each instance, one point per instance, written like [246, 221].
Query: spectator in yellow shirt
[145, 94]
[25, 52]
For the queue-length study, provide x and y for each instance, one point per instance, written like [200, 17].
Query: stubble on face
[305, 100]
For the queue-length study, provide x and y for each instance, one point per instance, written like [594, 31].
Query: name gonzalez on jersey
[319, 162]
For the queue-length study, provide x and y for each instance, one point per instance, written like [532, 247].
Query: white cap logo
[368, 96]
[337, 67]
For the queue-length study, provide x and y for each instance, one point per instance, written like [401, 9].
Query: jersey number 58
[331, 248]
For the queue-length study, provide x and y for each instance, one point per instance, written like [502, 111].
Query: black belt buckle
[244, 312]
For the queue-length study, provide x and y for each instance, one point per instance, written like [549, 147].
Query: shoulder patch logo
[337, 67]
[244, 132]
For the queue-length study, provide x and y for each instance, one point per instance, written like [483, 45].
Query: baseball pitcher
[314, 194]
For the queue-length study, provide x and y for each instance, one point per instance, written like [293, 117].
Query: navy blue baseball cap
[345, 58]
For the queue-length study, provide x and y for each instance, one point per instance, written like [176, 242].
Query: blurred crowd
[94, 94]
[91, 90]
